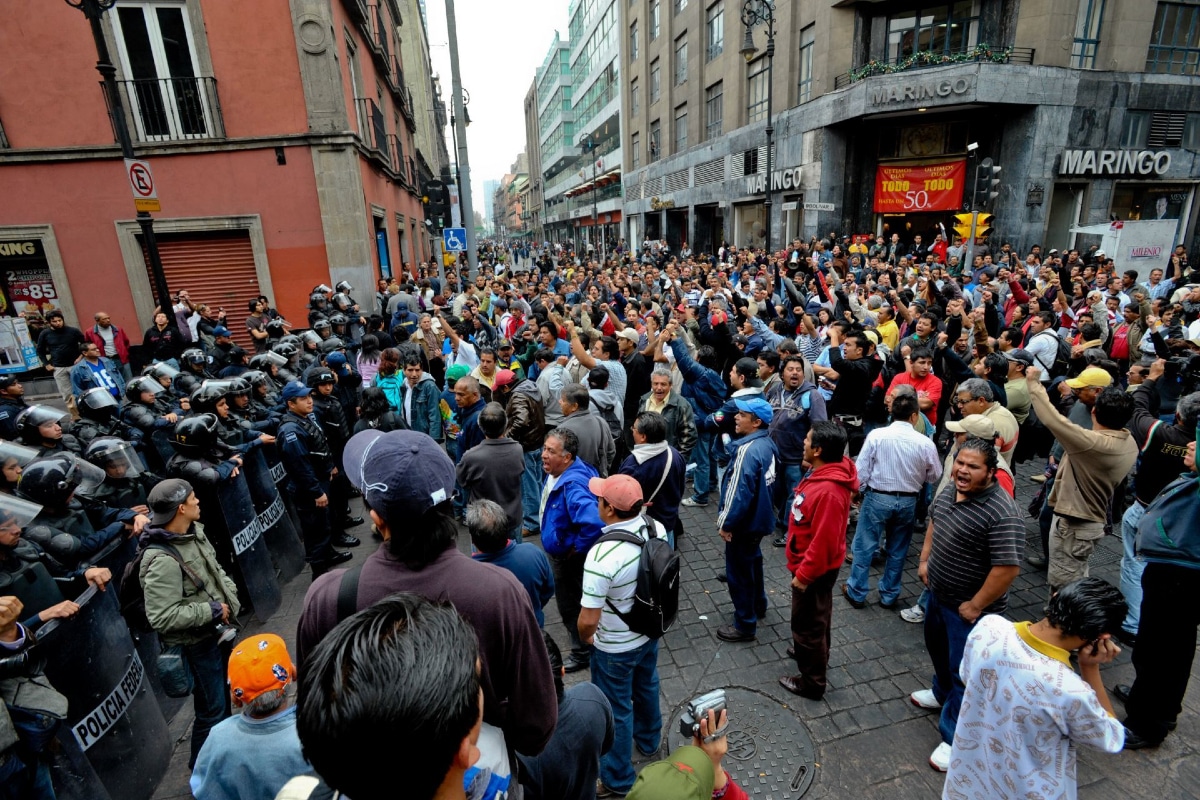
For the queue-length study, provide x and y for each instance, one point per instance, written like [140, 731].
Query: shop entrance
[909, 225]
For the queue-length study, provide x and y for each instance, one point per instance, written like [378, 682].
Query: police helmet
[193, 356]
[332, 344]
[145, 383]
[31, 419]
[344, 286]
[318, 376]
[195, 436]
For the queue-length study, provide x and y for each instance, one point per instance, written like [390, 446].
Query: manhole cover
[771, 754]
[1108, 551]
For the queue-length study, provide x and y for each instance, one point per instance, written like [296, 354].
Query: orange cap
[258, 665]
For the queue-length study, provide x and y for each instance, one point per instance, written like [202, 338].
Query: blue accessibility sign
[455, 239]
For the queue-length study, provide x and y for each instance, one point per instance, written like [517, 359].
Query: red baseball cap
[621, 491]
[503, 378]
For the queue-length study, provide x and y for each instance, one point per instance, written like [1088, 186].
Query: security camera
[972, 147]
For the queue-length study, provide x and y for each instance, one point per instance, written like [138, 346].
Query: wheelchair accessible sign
[455, 239]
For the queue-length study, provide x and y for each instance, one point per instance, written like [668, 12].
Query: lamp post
[599, 248]
[754, 12]
[94, 10]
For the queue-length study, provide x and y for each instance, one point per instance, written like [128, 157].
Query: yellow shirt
[890, 333]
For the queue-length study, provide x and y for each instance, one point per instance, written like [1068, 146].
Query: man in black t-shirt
[58, 347]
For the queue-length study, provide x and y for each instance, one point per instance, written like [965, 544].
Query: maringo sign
[1114, 162]
[913, 92]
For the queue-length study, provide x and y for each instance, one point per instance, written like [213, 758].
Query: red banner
[925, 187]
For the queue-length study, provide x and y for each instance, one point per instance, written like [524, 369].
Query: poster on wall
[27, 293]
[917, 188]
[17, 350]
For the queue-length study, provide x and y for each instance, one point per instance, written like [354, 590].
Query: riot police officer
[127, 483]
[337, 428]
[194, 371]
[98, 417]
[212, 398]
[12, 403]
[269, 364]
[308, 459]
[40, 427]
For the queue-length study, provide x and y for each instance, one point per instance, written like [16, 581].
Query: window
[654, 20]
[715, 30]
[681, 131]
[750, 162]
[158, 57]
[714, 111]
[1175, 40]
[1166, 129]
[807, 40]
[1087, 34]
[633, 41]
[940, 29]
[680, 5]
[681, 60]
[634, 96]
[655, 141]
[635, 144]
[756, 94]
[1191, 133]
[1135, 130]
[655, 81]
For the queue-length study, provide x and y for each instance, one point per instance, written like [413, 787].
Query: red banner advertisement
[916, 189]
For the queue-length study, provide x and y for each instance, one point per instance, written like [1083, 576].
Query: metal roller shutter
[216, 268]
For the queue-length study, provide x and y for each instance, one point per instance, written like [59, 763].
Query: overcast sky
[500, 47]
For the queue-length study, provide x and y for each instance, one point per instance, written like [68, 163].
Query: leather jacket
[526, 418]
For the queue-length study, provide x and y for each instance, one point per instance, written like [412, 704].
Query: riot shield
[280, 478]
[283, 542]
[231, 524]
[160, 451]
[113, 716]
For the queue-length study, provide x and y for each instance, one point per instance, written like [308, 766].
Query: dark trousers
[210, 696]
[744, 569]
[1165, 648]
[946, 638]
[315, 528]
[812, 617]
[339, 497]
[568, 592]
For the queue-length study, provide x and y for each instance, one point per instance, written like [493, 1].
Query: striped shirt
[610, 573]
[969, 538]
[898, 459]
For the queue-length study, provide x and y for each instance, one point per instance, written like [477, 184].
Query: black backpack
[1062, 356]
[656, 598]
[132, 596]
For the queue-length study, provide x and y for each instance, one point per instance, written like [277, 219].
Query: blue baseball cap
[756, 406]
[335, 359]
[221, 330]
[401, 474]
[295, 389]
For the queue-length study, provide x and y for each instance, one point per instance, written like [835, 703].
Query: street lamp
[591, 148]
[754, 12]
[94, 10]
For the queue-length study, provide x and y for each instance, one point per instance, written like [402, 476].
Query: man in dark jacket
[492, 469]
[854, 371]
[332, 416]
[470, 402]
[677, 412]
[527, 425]
[705, 390]
[58, 348]
[797, 406]
[596, 445]
[12, 403]
[659, 468]
[746, 514]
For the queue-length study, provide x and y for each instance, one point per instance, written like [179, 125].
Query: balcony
[372, 129]
[171, 109]
[980, 53]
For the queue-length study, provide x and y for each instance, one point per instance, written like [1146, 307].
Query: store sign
[932, 91]
[25, 275]
[1115, 162]
[780, 179]
[917, 188]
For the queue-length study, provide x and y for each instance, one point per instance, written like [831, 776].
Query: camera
[225, 633]
[697, 709]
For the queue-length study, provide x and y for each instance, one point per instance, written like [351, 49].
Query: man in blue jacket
[746, 513]
[570, 526]
[704, 389]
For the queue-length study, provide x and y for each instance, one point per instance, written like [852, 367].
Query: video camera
[697, 709]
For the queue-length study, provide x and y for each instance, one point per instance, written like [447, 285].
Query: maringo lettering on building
[883, 95]
[1115, 162]
[780, 179]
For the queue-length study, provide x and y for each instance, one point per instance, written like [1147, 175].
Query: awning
[602, 180]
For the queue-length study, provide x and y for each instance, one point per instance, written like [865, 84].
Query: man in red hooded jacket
[816, 548]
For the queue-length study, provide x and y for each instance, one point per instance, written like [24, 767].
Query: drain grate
[771, 753]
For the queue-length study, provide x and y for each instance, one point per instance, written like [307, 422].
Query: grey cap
[166, 498]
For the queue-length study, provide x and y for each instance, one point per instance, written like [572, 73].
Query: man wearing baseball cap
[984, 428]
[251, 756]
[746, 513]
[1015, 390]
[624, 663]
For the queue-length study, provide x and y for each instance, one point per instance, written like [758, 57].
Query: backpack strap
[187, 571]
[347, 596]
[663, 479]
[631, 538]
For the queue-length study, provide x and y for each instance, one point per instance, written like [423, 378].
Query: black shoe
[853, 603]
[792, 684]
[1036, 560]
[1135, 742]
[892, 606]
[780, 540]
[1121, 692]
[354, 492]
[722, 577]
[340, 557]
[732, 633]
[352, 522]
[1126, 638]
[346, 540]
[573, 663]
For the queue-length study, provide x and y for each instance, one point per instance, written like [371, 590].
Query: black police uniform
[308, 459]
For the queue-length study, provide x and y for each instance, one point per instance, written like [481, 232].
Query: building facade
[533, 152]
[1090, 107]
[280, 138]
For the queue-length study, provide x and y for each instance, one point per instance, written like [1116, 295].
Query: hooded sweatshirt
[604, 405]
[817, 520]
[420, 406]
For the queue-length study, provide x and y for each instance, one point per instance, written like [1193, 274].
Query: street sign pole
[460, 128]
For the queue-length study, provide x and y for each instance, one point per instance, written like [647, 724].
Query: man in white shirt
[624, 663]
[1043, 343]
[893, 467]
[1024, 708]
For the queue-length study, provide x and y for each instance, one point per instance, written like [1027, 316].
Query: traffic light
[987, 183]
[435, 198]
[962, 225]
[983, 227]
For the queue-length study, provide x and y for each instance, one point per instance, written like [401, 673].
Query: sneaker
[604, 791]
[693, 502]
[915, 614]
[939, 759]
[925, 698]
[780, 540]
[1038, 478]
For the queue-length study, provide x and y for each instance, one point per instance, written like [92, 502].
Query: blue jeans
[531, 490]
[744, 569]
[1131, 568]
[210, 695]
[630, 682]
[945, 638]
[791, 477]
[886, 517]
[704, 455]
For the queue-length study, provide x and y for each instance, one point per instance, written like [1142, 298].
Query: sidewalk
[870, 741]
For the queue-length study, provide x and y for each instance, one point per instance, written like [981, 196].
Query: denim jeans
[886, 517]
[210, 696]
[791, 477]
[945, 638]
[22, 781]
[630, 682]
[1131, 568]
[532, 480]
[704, 455]
[1046, 518]
[744, 569]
